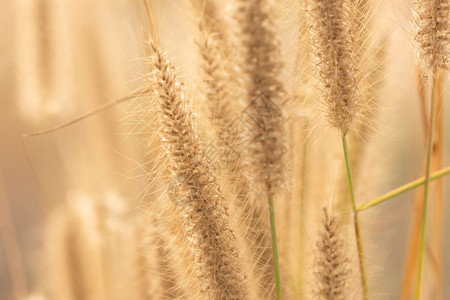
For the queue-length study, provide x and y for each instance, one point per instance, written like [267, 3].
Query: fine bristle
[333, 42]
[208, 235]
[332, 266]
[433, 36]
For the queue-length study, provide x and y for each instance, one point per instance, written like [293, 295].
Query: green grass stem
[402, 189]
[359, 241]
[431, 130]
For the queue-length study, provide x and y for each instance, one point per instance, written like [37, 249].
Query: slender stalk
[438, 153]
[427, 182]
[95, 111]
[359, 242]
[411, 261]
[402, 189]
[413, 252]
[273, 231]
[303, 195]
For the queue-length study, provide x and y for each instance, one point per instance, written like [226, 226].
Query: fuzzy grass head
[334, 49]
[433, 36]
[332, 265]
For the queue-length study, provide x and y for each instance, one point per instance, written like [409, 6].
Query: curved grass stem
[402, 189]
[273, 231]
[427, 182]
[359, 241]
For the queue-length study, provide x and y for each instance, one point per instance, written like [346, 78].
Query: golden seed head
[333, 42]
[265, 94]
[332, 266]
[207, 232]
[433, 36]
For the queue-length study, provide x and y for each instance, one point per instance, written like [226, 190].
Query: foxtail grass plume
[433, 36]
[334, 48]
[216, 75]
[265, 94]
[217, 266]
[216, 63]
[332, 266]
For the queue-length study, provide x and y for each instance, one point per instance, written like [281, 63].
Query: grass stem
[359, 241]
[403, 189]
[432, 125]
[273, 231]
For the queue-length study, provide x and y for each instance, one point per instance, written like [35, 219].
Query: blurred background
[62, 58]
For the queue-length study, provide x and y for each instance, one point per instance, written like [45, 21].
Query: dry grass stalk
[438, 220]
[412, 256]
[413, 253]
[218, 267]
[436, 244]
[332, 265]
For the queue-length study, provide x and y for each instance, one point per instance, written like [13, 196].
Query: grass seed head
[265, 94]
[332, 265]
[433, 36]
[207, 231]
[333, 43]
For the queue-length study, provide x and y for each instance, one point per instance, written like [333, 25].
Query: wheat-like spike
[265, 94]
[433, 36]
[217, 267]
[215, 63]
[332, 266]
[333, 42]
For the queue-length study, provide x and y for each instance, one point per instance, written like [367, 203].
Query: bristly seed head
[265, 94]
[332, 266]
[333, 42]
[433, 36]
[201, 208]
